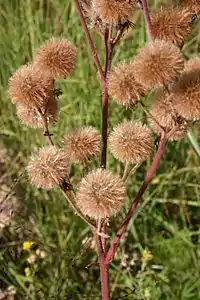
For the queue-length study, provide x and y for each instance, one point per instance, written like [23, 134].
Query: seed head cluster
[131, 142]
[112, 11]
[186, 95]
[162, 117]
[172, 25]
[82, 143]
[31, 116]
[56, 58]
[101, 194]
[29, 86]
[123, 86]
[158, 63]
[48, 167]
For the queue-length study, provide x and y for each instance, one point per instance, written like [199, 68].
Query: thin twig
[144, 7]
[46, 128]
[149, 175]
[126, 170]
[90, 41]
[148, 113]
[77, 210]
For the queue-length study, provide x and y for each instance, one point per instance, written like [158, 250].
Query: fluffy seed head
[172, 24]
[192, 5]
[101, 194]
[56, 57]
[123, 87]
[162, 114]
[82, 143]
[48, 167]
[186, 95]
[131, 142]
[192, 64]
[112, 11]
[32, 118]
[30, 87]
[158, 63]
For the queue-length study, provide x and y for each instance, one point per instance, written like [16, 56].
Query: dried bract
[131, 142]
[123, 87]
[112, 11]
[48, 167]
[30, 87]
[56, 57]
[192, 5]
[31, 116]
[101, 194]
[82, 143]
[172, 25]
[158, 63]
[163, 117]
[186, 95]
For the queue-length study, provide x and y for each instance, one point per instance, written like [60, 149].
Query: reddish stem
[90, 41]
[145, 10]
[149, 175]
[104, 275]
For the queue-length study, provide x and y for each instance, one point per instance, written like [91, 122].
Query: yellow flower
[147, 255]
[27, 272]
[27, 245]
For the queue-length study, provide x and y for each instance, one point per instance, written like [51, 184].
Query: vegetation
[160, 259]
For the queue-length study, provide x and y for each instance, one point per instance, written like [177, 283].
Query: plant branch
[144, 8]
[149, 175]
[90, 41]
[76, 209]
[46, 128]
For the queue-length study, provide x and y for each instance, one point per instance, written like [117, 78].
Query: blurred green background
[167, 222]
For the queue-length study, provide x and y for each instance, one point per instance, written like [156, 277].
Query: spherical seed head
[131, 142]
[123, 87]
[30, 87]
[112, 11]
[158, 63]
[162, 114]
[101, 194]
[186, 95]
[48, 167]
[192, 5]
[32, 118]
[82, 143]
[172, 25]
[56, 57]
[192, 64]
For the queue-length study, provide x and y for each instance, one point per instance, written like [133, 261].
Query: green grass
[167, 220]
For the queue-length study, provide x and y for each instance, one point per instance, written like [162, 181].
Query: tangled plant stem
[105, 257]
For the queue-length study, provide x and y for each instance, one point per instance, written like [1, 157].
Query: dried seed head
[192, 64]
[192, 5]
[30, 87]
[172, 25]
[123, 87]
[82, 144]
[112, 11]
[162, 115]
[101, 194]
[131, 142]
[158, 63]
[186, 95]
[48, 167]
[56, 57]
[31, 117]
